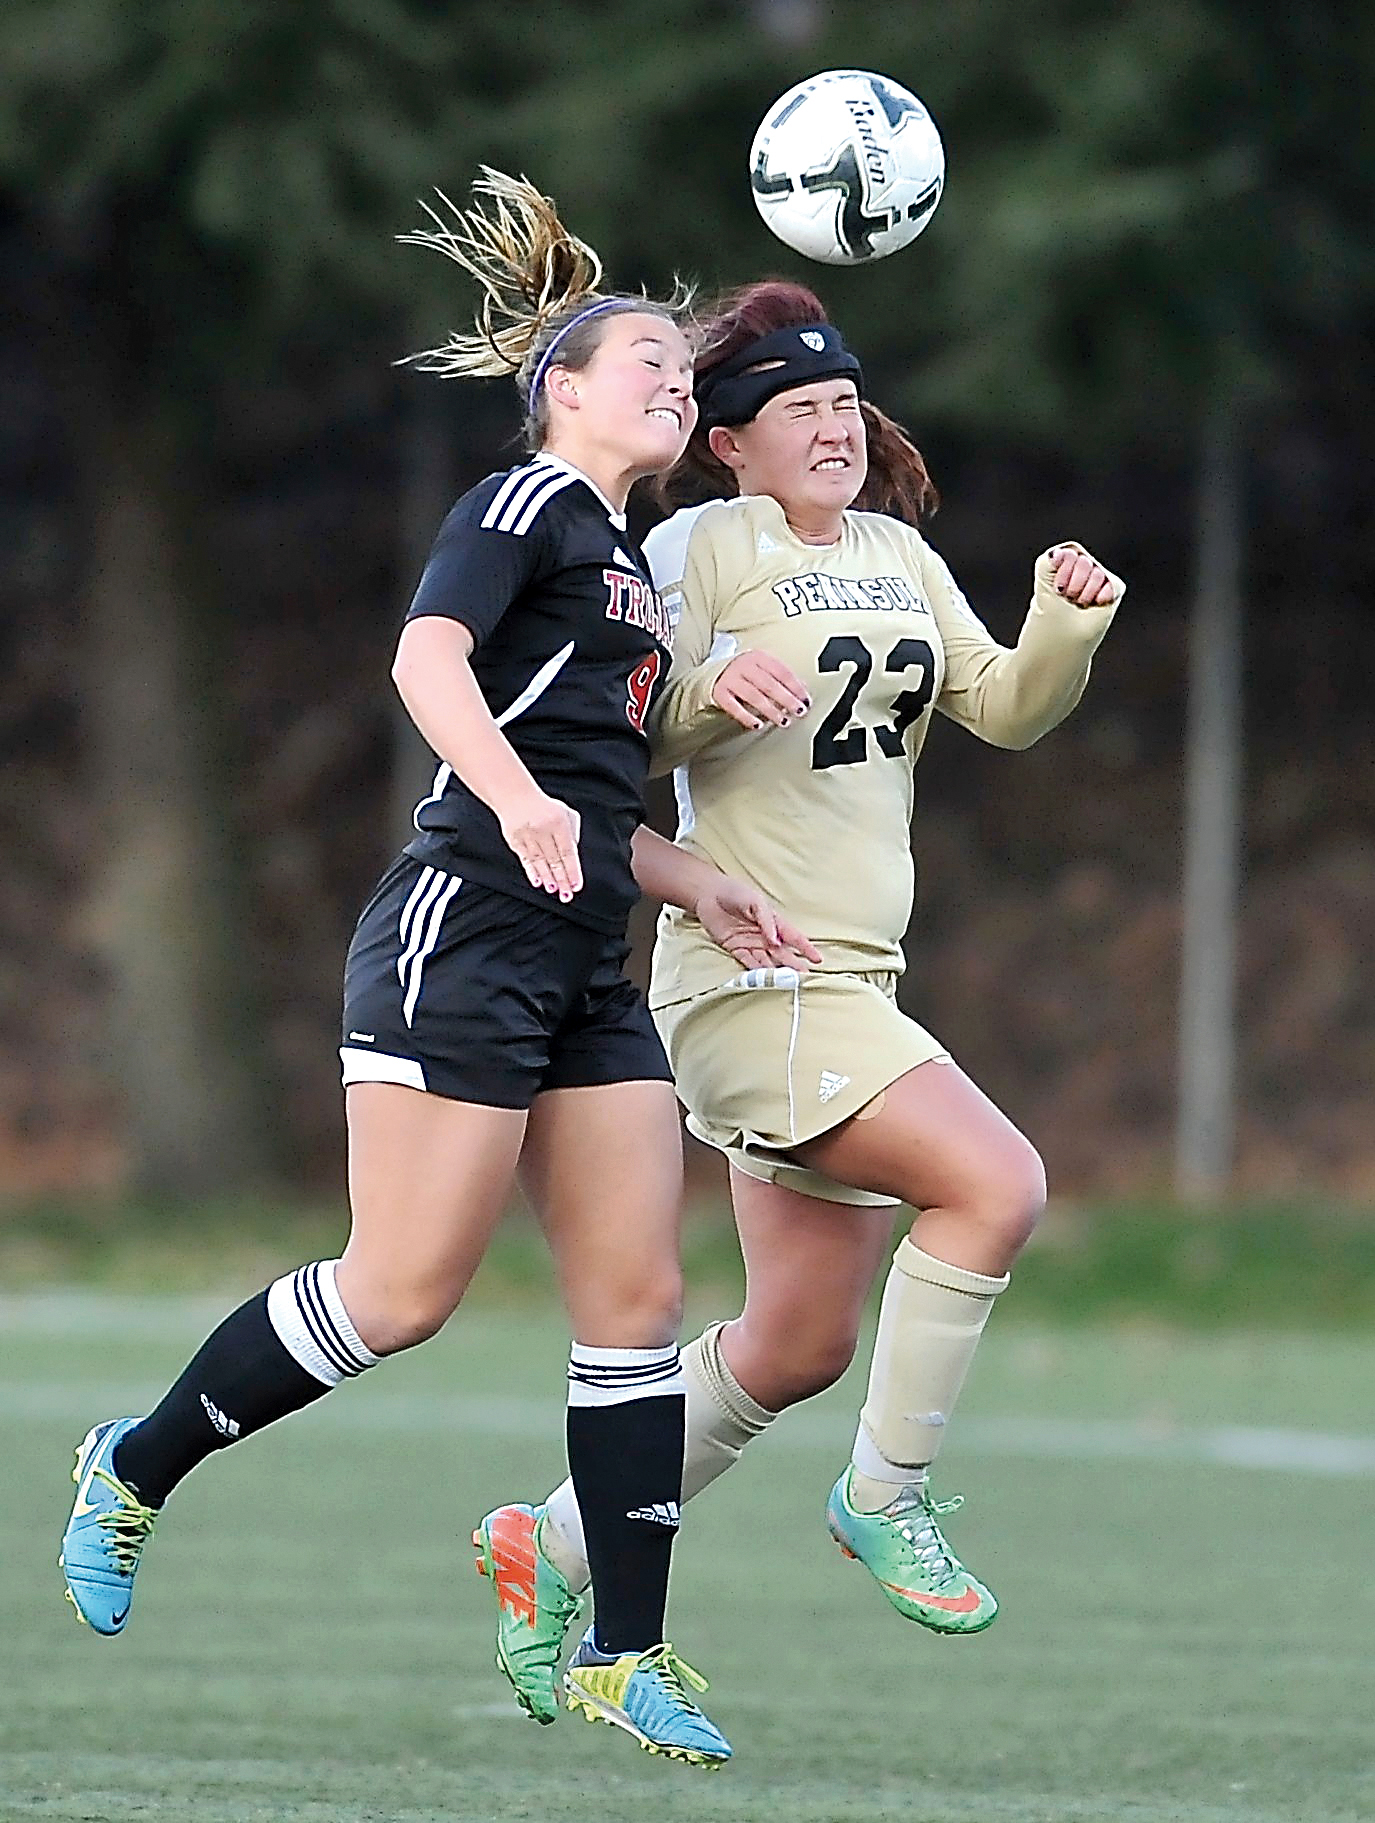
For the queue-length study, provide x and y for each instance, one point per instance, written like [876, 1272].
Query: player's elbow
[1017, 740]
[406, 662]
[1021, 727]
[426, 645]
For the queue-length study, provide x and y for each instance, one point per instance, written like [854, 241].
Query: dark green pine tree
[194, 183]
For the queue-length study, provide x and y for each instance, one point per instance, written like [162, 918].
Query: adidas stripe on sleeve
[489, 549]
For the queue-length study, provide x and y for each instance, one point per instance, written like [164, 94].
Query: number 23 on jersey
[843, 740]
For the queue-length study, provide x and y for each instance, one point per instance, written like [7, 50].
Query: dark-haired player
[817, 633]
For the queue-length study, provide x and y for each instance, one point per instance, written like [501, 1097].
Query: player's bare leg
[788, 1344]
[603, 1169]
[429, 1178]
[935, 1140]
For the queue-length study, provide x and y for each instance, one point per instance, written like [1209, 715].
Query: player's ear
[562, 384]
[725, 446]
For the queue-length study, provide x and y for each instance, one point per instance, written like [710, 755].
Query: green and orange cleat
[903, 1549]
[535, 1606]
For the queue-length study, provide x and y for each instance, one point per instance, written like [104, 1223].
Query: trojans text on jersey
[632, 600]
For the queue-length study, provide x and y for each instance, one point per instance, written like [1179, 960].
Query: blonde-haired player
[813, 644]
[486, 1017]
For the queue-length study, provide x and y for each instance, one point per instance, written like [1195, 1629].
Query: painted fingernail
[783, 722]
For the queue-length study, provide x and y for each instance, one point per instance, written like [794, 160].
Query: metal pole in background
[1206, 1116]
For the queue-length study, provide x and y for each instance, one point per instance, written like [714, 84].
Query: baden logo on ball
[847, 167]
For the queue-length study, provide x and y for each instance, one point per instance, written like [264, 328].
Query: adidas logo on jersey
[661, 1513]
[831, 1084]
[227, 1427]
[766, 544]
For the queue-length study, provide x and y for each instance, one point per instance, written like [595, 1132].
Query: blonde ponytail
[539, 291]
[531, 269]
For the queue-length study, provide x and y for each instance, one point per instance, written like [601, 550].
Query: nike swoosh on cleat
[118, 1620]
[948, 1604]
[513, 1564]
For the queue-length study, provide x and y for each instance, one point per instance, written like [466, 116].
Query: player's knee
[656, 1312]
[391, 1321]
[812, 1363]
[646, 1310]
[1011, 1194]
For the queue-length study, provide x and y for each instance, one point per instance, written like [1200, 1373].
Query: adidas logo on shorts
[831, 1084]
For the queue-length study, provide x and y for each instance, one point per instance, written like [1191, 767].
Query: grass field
[1180, 1530]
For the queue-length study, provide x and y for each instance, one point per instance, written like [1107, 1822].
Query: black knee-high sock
[625, 1454]
[280, 1351]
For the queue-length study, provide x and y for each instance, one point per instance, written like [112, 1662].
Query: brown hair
[897, 482]
[537, 278]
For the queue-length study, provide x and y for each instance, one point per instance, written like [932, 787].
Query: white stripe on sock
[615, 1376]
[306, 1311]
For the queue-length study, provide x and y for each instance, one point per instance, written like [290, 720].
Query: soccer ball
[847, 167]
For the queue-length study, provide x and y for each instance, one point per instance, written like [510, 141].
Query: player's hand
[542, 832]
[742, 921]
[758, 690]
[1081, 579]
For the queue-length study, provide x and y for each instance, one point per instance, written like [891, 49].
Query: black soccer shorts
[467, 992]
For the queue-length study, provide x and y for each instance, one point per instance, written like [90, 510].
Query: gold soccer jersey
[817, 814]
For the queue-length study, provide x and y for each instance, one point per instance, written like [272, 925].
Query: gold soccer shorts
[772, 1059]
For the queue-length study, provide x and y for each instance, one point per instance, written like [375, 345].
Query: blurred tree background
[1141, 317]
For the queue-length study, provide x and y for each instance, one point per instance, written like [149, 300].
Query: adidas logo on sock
[831, 1084]
[227, 1427]
[661, 1513]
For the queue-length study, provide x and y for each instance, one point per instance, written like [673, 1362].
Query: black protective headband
[816, 351]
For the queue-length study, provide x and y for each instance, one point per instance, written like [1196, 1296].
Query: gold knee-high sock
[930, 1322]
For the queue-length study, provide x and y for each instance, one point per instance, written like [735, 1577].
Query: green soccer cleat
[535, 1606]
[903, 1549]
[643, 1693]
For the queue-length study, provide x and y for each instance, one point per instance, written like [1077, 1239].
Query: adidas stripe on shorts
[455, 988]
[772, 1059]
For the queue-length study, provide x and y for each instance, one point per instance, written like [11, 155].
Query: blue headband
[582, 317]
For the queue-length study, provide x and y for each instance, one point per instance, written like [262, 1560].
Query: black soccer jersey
[571, 646]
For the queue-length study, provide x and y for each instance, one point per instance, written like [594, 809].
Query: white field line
[523, 1418]
[372, 1407]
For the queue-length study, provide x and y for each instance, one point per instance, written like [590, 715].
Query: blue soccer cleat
[105, 1535]
[643, 1693]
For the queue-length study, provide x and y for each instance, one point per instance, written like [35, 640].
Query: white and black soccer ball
[847, 167]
